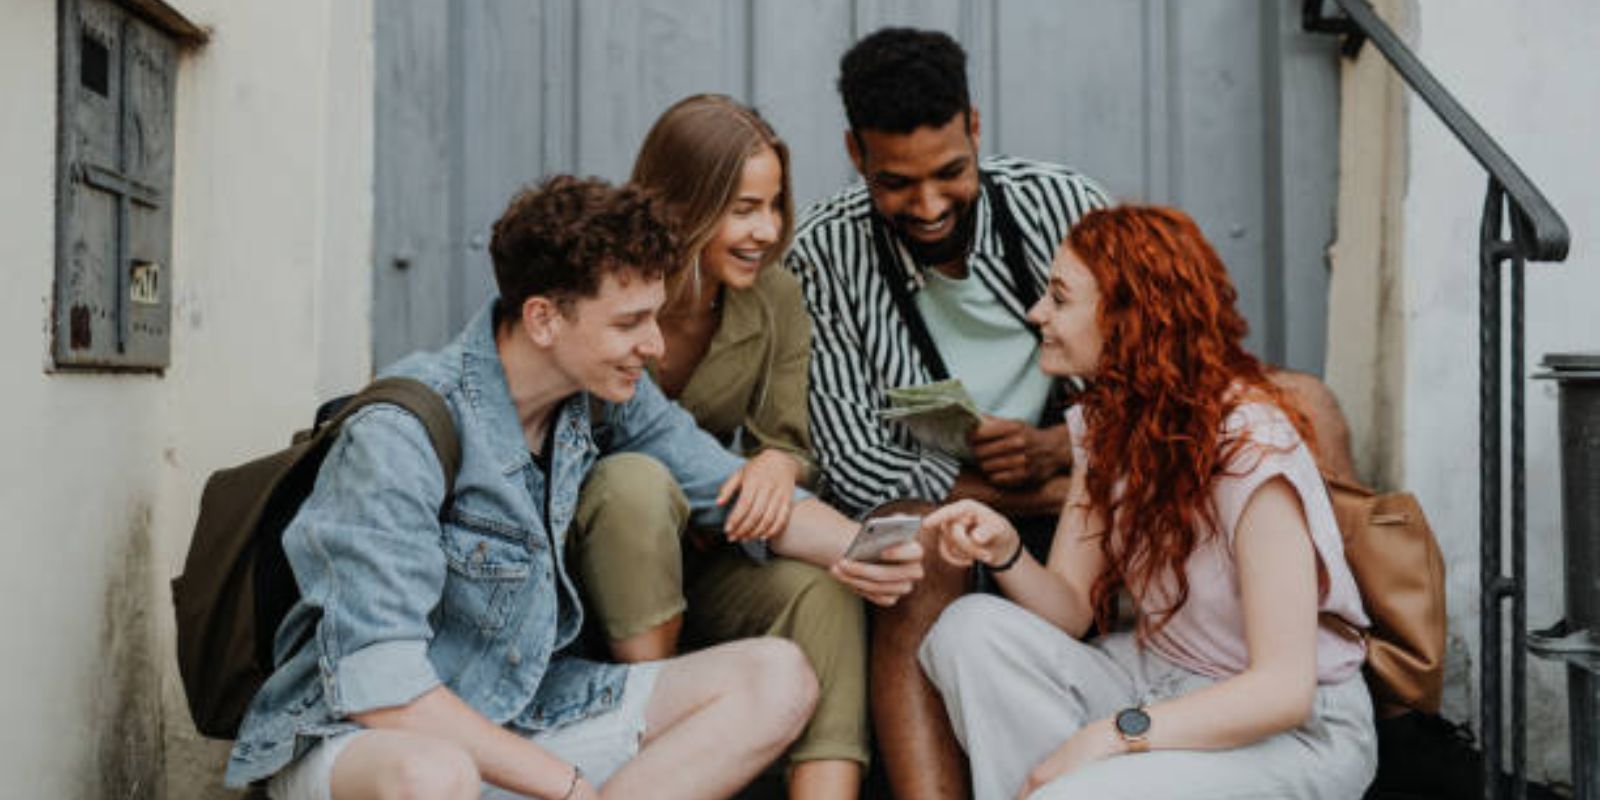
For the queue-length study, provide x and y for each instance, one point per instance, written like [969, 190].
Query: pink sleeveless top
[1206, 635]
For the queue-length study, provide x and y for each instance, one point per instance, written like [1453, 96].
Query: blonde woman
[737, 354]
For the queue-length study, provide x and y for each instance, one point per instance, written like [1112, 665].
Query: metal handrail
[1547, 237]
[1536, 233]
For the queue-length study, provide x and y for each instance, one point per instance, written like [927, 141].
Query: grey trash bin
[1576, 639]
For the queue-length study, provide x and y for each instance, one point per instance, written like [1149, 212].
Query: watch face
[1133, 722]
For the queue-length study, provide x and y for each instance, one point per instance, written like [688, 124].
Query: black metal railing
[1536, 233]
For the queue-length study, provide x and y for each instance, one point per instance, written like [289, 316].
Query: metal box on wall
[113, 298]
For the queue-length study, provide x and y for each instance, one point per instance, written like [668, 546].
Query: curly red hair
[1172, 368]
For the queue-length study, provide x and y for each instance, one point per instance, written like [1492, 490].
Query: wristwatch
[1133, 725]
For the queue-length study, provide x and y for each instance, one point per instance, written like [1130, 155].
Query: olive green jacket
[754, 373]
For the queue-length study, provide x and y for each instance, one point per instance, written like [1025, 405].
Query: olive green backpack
[236, 585]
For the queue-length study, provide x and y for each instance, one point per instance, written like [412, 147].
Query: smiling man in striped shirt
[922, 271]
[925, 270]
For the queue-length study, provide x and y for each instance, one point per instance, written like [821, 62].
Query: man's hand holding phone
[884, 561]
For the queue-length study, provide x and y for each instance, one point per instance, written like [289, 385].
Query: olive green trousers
[639, 565]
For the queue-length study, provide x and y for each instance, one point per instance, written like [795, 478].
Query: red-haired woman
[1195, 492]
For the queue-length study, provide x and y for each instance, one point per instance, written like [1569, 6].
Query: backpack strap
[889, 269]
[422, 402]
[1027, 285]
[1063, 391]
[272, 576]
[1016, 260]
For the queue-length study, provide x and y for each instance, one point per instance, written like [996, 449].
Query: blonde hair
[693, 158]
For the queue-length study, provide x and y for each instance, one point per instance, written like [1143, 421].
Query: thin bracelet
[1010, 562]
[577, 775]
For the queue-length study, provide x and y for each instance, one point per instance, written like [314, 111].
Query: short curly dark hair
[900, 79]
[561, 238]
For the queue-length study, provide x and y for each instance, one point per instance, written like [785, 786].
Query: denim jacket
[397, 598]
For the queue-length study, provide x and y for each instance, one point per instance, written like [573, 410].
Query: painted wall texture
[1403, 314]
[272, 303]
[1528, 73]
[271, 282]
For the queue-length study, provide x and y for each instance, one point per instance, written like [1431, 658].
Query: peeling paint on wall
[127, 692]
[1460, 691]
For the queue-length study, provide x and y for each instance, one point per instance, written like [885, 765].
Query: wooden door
[1221, 107]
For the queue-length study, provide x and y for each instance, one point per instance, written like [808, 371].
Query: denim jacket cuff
[382, 675]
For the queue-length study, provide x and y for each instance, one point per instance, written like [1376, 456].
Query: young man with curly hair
[925, 270]
[439, 648]
[922, 271]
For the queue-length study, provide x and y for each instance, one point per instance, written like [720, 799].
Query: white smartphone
[881, 533]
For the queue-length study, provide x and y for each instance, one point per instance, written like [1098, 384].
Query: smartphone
[881, 533]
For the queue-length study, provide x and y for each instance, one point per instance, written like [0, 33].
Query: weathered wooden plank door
[1221, 107]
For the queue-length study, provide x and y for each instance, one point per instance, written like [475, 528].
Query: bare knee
[782, 685]
[444, 771]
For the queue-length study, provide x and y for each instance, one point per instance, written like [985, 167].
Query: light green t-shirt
[985, 346]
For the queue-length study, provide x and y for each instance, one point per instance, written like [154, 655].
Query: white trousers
[1017, 687]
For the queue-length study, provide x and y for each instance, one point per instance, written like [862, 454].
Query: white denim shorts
[599, 745]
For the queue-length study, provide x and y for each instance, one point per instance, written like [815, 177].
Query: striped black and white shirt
[860, 347]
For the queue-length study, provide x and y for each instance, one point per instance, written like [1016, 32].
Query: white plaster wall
[101, 474]
[1527, 71]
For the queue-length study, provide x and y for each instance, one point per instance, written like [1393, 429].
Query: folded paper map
[939, 415]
